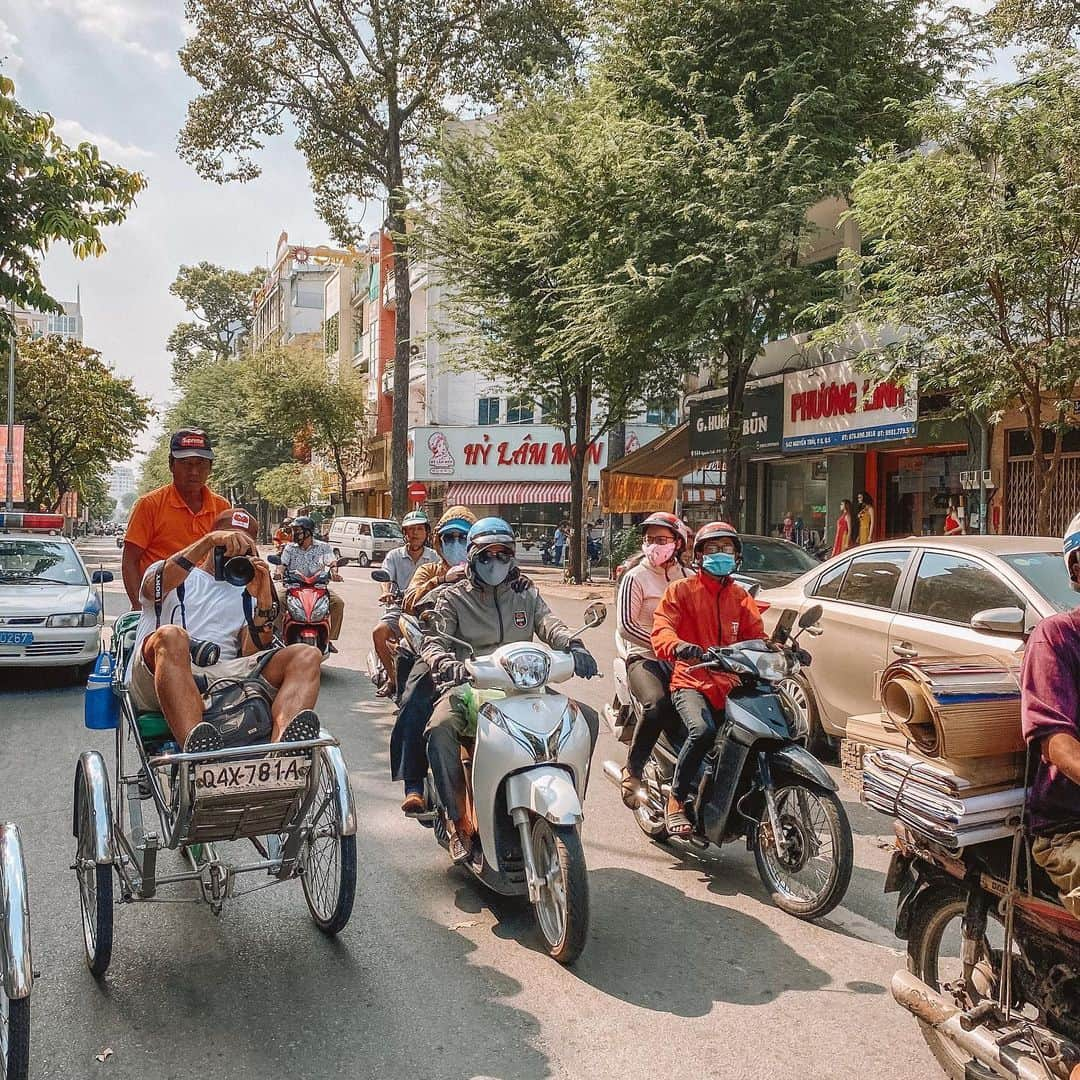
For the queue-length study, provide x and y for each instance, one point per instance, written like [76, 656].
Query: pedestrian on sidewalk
[560, 542]
[954, 520]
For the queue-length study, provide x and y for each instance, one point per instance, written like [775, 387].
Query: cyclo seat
[152, 725]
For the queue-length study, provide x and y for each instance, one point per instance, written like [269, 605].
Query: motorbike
[760, 783]
[993, 973]
[306, 617]
[391, 601]
[527, 773]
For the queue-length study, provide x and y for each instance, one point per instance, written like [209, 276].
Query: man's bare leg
[294, 672]
[381, 637]
[167, 652]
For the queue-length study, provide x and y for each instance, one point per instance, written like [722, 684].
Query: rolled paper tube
[906, 704]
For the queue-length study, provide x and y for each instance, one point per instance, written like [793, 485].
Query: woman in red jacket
[696, 614]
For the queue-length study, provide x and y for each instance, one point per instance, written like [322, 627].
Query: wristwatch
[268, 613]
[184, 564]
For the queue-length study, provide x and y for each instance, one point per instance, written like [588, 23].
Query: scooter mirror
[811, 616]
[595, 614]
[380, 576]
[345, 560]
[274, 560]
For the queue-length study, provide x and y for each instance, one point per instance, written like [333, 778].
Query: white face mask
[659, 554]
[493, 573]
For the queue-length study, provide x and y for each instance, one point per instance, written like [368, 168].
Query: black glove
[687, 652]
[520, 583]
[584, 663]
[452, 673]
[802, 656]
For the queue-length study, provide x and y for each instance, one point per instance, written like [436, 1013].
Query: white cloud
[126, 23]
[8, 45]
[73, 132]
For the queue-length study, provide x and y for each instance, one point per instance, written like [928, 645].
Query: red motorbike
[306, 613]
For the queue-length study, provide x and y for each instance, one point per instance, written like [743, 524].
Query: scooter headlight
[774, 666]
[296, 609]
[321, 610]
[528, 668]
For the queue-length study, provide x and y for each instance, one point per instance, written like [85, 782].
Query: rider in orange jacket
[694, 615]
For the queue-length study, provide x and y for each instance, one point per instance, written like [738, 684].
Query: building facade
[69, 325]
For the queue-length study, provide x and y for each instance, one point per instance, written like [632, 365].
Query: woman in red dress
[845, 527]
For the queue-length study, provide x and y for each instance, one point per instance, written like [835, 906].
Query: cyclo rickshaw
[16, 970]
[291, 801]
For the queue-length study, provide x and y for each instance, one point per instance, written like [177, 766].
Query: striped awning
[472, 493]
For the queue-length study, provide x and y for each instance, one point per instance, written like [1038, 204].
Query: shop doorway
[915, 487]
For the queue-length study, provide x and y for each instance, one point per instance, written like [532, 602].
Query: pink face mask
[658, 554]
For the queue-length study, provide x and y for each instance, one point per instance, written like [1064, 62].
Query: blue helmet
[488, 532]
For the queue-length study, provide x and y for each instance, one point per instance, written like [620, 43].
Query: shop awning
[474, 493]
[648, 479]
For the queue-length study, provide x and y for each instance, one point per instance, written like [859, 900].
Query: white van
[365, 540]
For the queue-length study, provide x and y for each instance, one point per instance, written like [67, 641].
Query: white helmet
[1071, 549]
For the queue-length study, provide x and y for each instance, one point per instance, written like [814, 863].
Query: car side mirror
[1001, 620]
[101, 577]
[380, 576]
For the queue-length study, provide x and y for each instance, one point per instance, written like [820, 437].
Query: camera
[237, 571]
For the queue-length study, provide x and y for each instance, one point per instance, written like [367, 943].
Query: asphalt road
[689, 970]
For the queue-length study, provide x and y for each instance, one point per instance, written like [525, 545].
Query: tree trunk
[738, 371]
[1046, 475]
[579, 478]
[399, 434]
[616, 452]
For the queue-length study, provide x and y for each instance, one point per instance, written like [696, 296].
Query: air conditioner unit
[988, 479]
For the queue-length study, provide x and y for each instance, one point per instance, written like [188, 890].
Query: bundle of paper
[935, 804]
[960, 779]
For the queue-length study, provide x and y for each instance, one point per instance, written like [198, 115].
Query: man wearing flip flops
[198, 632]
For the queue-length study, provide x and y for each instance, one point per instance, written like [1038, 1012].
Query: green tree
[287, 485]
[1037, 22]
[80, 417]
[758, 110]
[365, 86]
[328, 411]
[49, 193]
[100, 505]
[219, 302]
[977, 250]
[127, 501]
[533, 210]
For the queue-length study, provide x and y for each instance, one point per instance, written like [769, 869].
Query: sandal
[630, 789]
[677, 823]
[413, 803]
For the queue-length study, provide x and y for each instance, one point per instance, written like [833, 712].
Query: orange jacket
[703, 611]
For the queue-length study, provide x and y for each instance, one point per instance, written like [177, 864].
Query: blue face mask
[493, 573]
[719, 564]
[454, 551]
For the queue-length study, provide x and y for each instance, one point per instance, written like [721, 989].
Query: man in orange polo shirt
[172, 517]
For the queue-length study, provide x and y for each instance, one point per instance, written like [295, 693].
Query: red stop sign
[417, 492]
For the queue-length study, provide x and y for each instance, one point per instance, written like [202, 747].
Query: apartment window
[308, 294]
[663, 413]
[519, 410]
[488, 410]
[549, 411]
[358, 338]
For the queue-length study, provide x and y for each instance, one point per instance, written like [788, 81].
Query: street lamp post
[9, 450]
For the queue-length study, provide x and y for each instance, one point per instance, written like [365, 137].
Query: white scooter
[527, 779]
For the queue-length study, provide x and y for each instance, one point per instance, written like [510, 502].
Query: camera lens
[239, 570]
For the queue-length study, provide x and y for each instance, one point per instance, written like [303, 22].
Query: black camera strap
[159, 597]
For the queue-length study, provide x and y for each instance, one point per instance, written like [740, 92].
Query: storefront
[520, 472]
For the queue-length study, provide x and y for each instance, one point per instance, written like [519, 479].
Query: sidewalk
[549, 579]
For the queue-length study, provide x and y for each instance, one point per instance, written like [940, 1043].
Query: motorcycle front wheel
[562, 909]
[808, 872]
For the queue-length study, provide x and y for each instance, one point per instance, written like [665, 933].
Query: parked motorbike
[760, 783]
[527, 775]
[993, 959]
[306, 616]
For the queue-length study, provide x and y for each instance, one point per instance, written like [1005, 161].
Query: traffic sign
[417, 492]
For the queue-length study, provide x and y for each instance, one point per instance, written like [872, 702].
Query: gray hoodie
[486, 618]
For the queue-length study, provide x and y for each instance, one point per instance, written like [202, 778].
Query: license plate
[11, 637]
[266, 774]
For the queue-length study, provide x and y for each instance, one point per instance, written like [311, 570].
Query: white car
[50, 614]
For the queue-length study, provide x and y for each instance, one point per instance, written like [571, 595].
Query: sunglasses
[453, 535]
[495, 556]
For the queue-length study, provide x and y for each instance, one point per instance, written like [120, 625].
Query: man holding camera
[169, 518]
[197, 613]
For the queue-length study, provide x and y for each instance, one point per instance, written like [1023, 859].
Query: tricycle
[16, 970]
[292, 802]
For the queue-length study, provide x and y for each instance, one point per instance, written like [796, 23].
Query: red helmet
[717, 530]
[671, 522]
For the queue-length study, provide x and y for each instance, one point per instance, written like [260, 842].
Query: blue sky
[107, 71]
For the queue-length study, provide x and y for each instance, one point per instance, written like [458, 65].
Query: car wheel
[363, 559]
[801, 697]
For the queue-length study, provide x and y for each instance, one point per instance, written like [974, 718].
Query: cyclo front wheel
[14, 1037]
[329, 877]
[562, 909]
[95, 891]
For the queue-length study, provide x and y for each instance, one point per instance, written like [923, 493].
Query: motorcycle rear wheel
[815, 822]
[937, 917]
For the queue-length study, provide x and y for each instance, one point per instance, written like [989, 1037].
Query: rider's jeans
[407, 758]
[649, 684]
[697, 714]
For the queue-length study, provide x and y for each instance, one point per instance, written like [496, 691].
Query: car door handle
[905, 650]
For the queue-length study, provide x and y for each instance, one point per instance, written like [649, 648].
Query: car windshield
[37, 561]
[775, 556]
[1045, 571]
[386, 530]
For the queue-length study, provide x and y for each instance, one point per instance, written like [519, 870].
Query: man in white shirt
[185, 609]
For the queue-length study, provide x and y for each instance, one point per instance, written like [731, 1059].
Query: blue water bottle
[101, 710]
